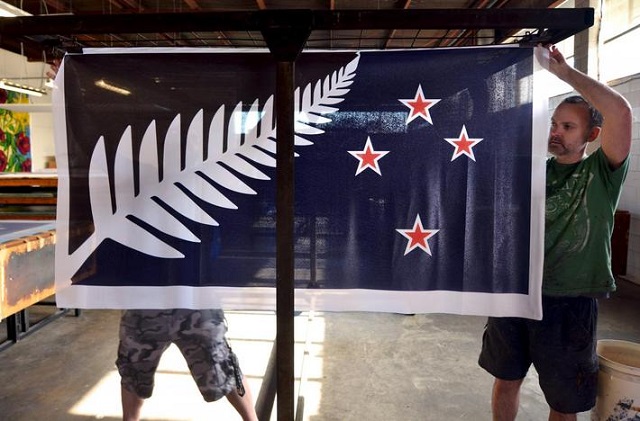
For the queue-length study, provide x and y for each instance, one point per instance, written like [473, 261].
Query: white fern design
[111, 219]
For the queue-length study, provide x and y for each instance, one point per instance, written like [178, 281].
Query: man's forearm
[615, 109]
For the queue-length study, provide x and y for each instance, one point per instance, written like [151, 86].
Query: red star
[463, 144]
[417, 237]
[368, 157]
[419, 106]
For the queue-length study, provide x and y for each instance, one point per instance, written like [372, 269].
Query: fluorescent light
[27, 108]
[7, 10]
[30, 90]
[113, 88]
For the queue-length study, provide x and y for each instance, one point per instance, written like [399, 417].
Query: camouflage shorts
[200, 336]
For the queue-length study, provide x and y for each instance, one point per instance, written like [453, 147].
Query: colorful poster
[15, 139]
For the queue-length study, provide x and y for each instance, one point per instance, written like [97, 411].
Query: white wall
[42, 145]
[630, 200]
[619, 57]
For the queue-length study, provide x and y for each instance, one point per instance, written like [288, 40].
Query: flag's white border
[258, 298]
[540, 130]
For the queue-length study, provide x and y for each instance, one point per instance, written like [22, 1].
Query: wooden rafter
[405, 6]
[193, 4]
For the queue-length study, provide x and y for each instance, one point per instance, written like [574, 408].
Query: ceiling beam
[565, 19]
[460, 36]
[58, 5]
[116, 4]
[32, 50]
[193, 4]
[134, 4]
[405, 6]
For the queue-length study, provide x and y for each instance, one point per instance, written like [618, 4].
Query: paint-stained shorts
[200, 336]
[561, 346]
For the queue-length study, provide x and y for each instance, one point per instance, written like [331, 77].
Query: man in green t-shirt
[581, 197]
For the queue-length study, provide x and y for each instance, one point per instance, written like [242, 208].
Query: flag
[418, 180]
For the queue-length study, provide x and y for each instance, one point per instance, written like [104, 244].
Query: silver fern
[243, 150]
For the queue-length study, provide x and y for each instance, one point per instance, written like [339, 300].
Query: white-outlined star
[419, 106]
[463, 144]
[368, 157]
[417, 237]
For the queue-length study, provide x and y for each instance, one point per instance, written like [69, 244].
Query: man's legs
[559, 416]
[564, 355]
[143, 339]
[131, 405]
[505, 355]
[243, 404]
[505, 399]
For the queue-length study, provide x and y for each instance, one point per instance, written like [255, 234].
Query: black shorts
[561, 346]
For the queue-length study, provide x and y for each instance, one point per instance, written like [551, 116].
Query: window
[620, 34]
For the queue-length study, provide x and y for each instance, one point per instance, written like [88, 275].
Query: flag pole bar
[285, 41]
[284, 238]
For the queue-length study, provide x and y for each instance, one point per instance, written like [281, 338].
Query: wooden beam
[193, 4]
[405, 6]
[57, 5]
[134, 4]
[117, 4]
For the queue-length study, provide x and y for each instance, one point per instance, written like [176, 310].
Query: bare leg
[560, 416]
[505, 399]
[131, 405]
[243, 404]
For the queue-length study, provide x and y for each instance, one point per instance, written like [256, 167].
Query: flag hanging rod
[573, 20]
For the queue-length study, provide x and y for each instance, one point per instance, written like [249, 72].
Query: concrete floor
[349, 366]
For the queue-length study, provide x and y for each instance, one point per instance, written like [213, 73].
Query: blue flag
[418, 181]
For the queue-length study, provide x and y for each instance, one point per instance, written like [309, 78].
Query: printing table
[28, 196]
[26, 273]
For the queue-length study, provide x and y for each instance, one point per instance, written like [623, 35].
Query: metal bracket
[286, 32]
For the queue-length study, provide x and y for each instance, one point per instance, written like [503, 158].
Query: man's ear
[593, 134]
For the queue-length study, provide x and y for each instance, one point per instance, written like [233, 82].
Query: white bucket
[618, 382]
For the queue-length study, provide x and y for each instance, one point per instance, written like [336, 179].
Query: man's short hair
[595, 118]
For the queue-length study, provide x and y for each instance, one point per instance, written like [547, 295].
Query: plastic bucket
[618, 381]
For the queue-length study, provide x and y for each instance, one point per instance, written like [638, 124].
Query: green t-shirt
[580, 207]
